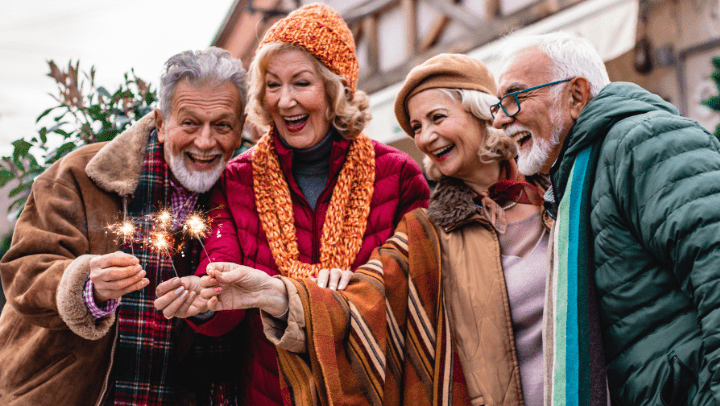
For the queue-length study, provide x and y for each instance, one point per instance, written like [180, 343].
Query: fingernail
[176, 281]
[179, 290]
[184, 294]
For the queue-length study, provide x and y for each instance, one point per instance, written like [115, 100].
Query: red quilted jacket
[237, 236]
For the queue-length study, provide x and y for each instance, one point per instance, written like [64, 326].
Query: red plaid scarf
[145, 345]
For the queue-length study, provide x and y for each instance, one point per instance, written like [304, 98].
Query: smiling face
[202, 132]
[296, 98]
[543, 121]
[448, 134]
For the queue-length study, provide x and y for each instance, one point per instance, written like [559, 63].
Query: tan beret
[451, 71]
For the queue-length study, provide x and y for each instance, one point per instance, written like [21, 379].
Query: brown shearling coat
[52, 350]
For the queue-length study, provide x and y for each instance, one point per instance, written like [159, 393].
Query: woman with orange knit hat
[449, 311]
[315, 193]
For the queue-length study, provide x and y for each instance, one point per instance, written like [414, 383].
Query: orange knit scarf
[345, 220]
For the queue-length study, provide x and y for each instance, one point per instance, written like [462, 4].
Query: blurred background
[665, 46]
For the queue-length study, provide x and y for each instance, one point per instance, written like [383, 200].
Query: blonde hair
[348, 115]
[497, 145]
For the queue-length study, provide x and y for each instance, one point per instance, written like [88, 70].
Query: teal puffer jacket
[656, 221]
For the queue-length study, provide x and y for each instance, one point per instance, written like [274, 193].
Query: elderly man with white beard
[632, 308]
[80, 326]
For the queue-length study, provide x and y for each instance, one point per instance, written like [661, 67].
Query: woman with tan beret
[449, 310]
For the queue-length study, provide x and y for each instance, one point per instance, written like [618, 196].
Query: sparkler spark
[196, 226]
[125, 231]
[161, 242]
[164, 219]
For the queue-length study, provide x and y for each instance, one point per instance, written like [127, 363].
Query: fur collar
[451, 203]
[118, 165]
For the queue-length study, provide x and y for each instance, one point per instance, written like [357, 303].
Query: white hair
[209, 66]
[570, 54]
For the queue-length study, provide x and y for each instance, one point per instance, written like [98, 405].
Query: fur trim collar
[118, 165]
[451, 203]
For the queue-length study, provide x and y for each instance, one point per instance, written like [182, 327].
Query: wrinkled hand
[333, 279]
[232, 286]
[116, 274]
[180, 297]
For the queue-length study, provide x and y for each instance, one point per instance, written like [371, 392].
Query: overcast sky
[112, 35]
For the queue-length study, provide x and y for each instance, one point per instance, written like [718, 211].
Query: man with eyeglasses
[633, 290]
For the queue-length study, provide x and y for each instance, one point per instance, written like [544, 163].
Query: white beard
[193, 180]
[537, 158]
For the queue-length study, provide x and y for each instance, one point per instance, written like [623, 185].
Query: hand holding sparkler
[116, 274]
[231, 286]
[180, 297]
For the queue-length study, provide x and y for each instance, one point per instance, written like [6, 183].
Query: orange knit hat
[321, 31]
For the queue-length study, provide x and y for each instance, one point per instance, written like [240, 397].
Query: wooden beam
[433, 35]
[458, 13]
[410, 10]
[357, 32]
[492, 9]
[370, 27]
[368, 8]
[437, 28]
[485, 32]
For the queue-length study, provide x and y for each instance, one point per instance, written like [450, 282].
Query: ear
[159, 124]
[579, 96]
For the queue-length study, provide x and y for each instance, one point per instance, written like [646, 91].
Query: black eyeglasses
[510, 103]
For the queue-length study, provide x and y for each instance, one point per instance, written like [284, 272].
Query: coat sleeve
[667, 181]
[44, 271]
[357, 338]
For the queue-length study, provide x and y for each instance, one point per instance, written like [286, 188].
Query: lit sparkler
[164, 219]
[125, 231]
[196, 226]
[161, 242]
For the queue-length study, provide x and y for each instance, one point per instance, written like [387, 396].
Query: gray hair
[570, 54]
[210, 66]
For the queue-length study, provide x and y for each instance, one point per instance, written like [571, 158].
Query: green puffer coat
[656, 222]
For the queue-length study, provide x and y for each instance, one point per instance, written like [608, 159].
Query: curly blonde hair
[349, 115]
[497, 146]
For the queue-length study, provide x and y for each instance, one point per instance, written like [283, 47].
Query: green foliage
[713, 102]
[84, 114]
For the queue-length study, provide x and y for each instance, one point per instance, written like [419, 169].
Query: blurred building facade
[664, 46]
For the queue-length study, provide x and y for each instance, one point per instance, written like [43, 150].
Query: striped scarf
[385, 340]
[577, 364]
[145, 338]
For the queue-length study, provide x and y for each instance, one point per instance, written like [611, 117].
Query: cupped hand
[180, 297]
[116, 274]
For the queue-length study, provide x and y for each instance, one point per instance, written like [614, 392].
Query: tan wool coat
[52, 350]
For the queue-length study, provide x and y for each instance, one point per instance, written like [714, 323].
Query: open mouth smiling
[441, 153]
[202, 160]
[521, 138]
[296, 123]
